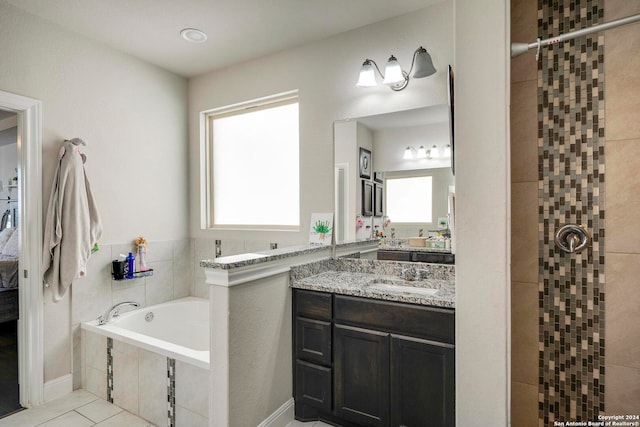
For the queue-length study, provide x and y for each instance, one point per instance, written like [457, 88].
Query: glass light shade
[422, 153]
[367, 75]
[393, 72]
[434, 153]
[408, 154]
[447, 151]
[424, 64]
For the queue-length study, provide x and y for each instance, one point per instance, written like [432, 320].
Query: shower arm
[520, 48]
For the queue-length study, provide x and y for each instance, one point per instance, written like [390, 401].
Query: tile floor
[83, 409]
[78, 409]
[309, 424]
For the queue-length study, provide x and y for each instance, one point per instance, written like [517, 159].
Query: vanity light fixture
[434, 153]
[422, 152]
[447, 151]
[408, 154]
[193, 35]
[394, 76]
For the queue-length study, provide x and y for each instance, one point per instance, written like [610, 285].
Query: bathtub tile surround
[157, 388]
[95, 293]
[571, 190]
[171, 392]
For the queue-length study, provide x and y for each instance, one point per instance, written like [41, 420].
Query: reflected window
[410, 199]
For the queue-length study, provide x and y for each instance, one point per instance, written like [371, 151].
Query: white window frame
[206, 161]
[405, 175]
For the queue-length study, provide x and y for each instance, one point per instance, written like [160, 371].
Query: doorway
[9, 385]
[27, 189]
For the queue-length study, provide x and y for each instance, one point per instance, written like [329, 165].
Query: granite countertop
[384, 280]
[414, 249]
[247, 259]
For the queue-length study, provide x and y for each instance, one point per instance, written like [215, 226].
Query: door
[422, 383]
[361, 367]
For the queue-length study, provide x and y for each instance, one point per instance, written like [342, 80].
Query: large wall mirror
[411, 179]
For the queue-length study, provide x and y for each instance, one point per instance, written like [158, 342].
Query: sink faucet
[113, 312]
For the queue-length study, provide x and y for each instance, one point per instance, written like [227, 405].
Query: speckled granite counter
[244, 260]
[412, 248]
[383, 280]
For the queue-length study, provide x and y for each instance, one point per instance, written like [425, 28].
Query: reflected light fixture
[434, 153]
[408, 154]
[422, 153]
[394, 76]
[447, 151]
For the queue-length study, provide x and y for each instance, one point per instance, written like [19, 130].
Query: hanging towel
[72, 226]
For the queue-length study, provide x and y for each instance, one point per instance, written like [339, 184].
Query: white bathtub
[178, 329]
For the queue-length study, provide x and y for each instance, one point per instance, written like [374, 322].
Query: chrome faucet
[113, 312]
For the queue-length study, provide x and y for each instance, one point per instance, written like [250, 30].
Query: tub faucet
[113, 312]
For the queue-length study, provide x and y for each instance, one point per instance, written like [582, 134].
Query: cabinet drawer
[313, 385]
[313, 305]
[313, 341]
[429, 323]
[434, 257]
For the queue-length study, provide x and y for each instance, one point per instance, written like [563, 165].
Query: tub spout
[113, 312]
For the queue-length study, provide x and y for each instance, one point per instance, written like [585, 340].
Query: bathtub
[176, 329]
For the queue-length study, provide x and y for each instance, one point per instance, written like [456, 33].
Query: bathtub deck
[78, 409]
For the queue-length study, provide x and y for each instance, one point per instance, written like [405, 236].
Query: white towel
[72, 226]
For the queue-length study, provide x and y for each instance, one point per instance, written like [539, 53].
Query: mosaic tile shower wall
[571, 191]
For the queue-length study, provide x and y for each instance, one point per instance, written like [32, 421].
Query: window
[253, 168]
[409, 199]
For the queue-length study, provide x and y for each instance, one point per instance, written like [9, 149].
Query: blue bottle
[130, 266]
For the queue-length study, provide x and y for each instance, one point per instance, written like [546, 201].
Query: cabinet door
[361, 368]
[422, 383]
[394, 255]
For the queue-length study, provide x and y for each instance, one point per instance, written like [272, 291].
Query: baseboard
[58, 387]
[281, 416]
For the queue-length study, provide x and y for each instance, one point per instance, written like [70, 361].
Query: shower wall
[559, 122]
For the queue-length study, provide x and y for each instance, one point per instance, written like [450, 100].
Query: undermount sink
[388, 285]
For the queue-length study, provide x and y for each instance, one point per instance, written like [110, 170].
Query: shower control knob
[572, 238]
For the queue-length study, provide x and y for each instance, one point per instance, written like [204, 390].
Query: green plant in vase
[322, 228]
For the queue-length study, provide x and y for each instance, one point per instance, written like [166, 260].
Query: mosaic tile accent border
[171, 392]
[110, 370]
[571, 191]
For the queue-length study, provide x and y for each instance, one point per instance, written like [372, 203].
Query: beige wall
[524, 219]
[133, 117]
[622, 239]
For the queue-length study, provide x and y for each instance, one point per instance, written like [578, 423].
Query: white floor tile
[124, 419]
[70, 419]
[36, 416]
[99, 410]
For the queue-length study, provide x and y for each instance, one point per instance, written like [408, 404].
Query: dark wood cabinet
[364, 362]
[417, 256]
[422, 377]
[362, 375]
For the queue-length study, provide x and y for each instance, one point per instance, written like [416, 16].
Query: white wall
[482, 212]
[8, 165]
[133, 117]
[325, 74]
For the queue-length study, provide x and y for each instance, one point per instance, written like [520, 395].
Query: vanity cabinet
[417, 256]
[389, 364]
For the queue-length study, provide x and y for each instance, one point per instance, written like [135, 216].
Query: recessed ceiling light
[194, 36]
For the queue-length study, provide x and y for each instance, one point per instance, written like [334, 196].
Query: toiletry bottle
[130, 266]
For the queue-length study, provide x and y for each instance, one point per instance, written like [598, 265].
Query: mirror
[410, 182]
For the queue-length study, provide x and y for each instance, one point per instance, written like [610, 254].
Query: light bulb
[434, 153]
[422, 153]
[408, 154]
[367, 75]
[447, 151]
[393, 73]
